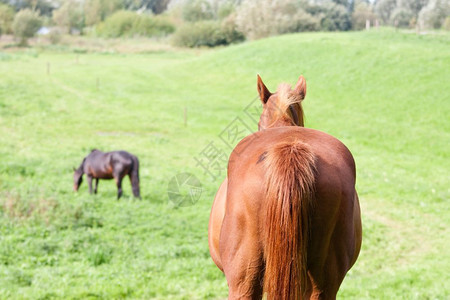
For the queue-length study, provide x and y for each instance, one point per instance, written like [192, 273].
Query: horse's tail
[134, 176]
[290, 186]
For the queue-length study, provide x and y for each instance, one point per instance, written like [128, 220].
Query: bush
[118, 24]
[26, 24]
[205, 33]
[271, 17]
[6, 18]
[307, 22]
[334, 17]
[152, 26]
[127, 23]
[55, 36]
[255, 19]
[230, 31]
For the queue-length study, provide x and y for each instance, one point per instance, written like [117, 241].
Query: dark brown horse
[286, 221]
[100, 165]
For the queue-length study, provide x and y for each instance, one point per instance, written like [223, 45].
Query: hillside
[384, 94]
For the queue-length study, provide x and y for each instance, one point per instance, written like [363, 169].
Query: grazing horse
[286, 220]
[100, 165]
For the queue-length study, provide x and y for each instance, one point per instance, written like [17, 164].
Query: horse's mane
[286, 98]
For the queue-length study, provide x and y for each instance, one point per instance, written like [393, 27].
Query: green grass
[384, 94]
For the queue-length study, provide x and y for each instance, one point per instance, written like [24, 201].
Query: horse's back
[122, 157]
[106, 165]
[332, 157]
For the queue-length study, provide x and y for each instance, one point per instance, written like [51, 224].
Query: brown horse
[99, 165]
[286, 220]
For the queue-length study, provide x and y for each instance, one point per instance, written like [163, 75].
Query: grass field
[384, 94]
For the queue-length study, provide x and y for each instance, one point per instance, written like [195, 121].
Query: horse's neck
[81, 167]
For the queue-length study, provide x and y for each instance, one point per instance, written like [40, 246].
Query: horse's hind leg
[242, 257]
[96, 186]
[134, 179]
[118, 180]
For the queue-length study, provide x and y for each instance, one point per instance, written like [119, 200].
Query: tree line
[196, 23]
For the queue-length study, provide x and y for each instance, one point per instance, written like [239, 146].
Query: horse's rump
[299, 186]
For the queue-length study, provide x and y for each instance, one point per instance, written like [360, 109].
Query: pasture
[384, 94]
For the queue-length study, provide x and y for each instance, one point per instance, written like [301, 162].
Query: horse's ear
[300, 87]
[263, 92]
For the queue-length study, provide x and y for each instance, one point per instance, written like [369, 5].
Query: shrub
[127, 23]
[255, 19]
[205, 33]
[335, 17]
[230, 31]
[272, 17]
[118, 24]
[152, 26]
[26, 24]
[307, 22]
[54, 36]
[6, 18]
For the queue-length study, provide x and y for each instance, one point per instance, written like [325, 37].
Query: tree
[413, 6]
[197, 10]
[384, 9]
[25, 25]
[69, 15]
[92, 12]
[362, 12]
[6, 18]
[433, 15]
[333, 17]
[96, 11]
[401, 17]
[45, 7]
[156, 6]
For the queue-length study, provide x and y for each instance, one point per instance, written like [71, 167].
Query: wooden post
[367, 24]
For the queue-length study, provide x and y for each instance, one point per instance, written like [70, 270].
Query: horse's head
[77, 179]
[282, 108]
